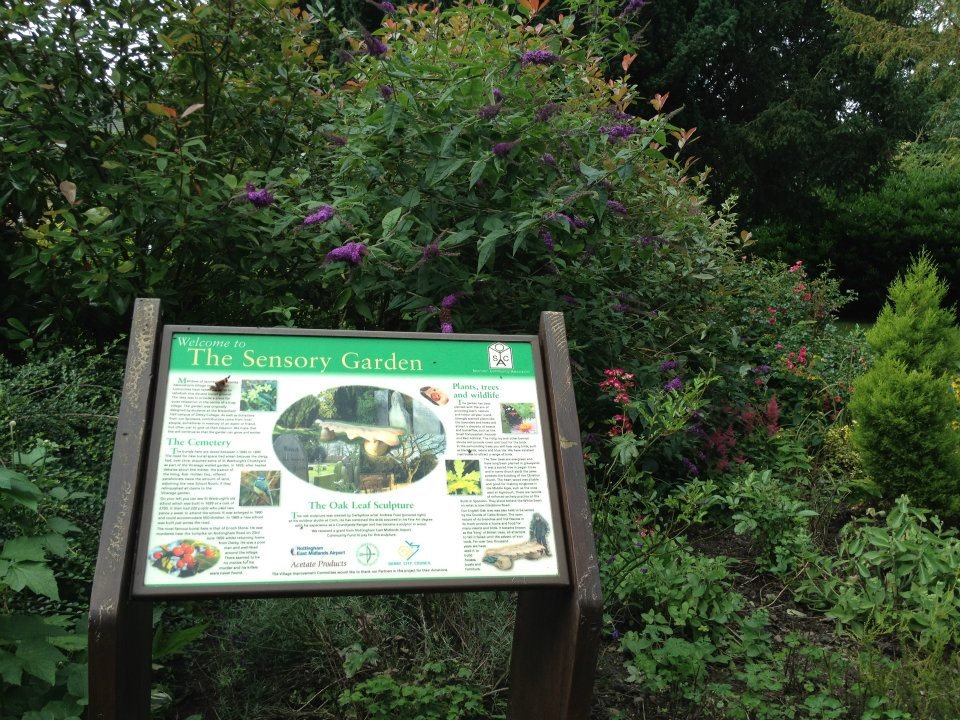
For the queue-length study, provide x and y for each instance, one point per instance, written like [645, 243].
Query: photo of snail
[359, 439]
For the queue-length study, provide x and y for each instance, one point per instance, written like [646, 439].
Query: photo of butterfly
[221, 385]
[517, 418]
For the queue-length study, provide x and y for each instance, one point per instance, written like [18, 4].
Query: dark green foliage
[763, 85]
[868, 237]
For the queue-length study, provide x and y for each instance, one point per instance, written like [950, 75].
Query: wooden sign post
[278, 462]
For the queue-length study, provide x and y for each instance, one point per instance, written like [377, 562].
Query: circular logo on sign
[367, 554]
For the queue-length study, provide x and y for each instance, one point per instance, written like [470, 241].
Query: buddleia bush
[904, 407]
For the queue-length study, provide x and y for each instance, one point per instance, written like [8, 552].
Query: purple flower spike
[351, 252]
[548, 159]
[538, 57]
[450, 300]
[616, 133]
[259, 198]
[375, 47]
[503, 149]
[431, 251]
[323, 213]
[547, 111]
[633, 6]
[497, 95]
[489, 111]
[691, 468]
[446, 327]
[617, 207]
[618, 113]
[668, 365]
[547, 239]
[388, 7]
[574, 221]
[674, 384]
[386, 92]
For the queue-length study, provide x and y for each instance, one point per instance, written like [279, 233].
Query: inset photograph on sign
[517, 418]
[359, 439]
[183, 558]
[463, 477]
[259, 488]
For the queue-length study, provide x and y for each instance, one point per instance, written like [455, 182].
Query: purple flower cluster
[503, 149]
[375, 46]
[431, 251]
[446, 327]
[323, 213]
[538, 57]
[351, 252]
[388, 7]
[259, 198]
[634, 6]
[618, 113]
[450, 300]
[761, 370]
[673, 384]
[547, 239]
[488, 112]
[548, 159]
[668, 365]
[497, 95]
[547, 111]
[691, 468]
[621, 307]
[617, 207]
[386, 92]
[574, 221]
[616, 133]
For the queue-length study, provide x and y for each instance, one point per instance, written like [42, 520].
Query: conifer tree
[904, 407]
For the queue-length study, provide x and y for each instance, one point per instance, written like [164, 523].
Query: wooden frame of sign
[277, 462]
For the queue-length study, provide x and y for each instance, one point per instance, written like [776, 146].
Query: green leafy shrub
[904, 407]
[58, 418]
[767, 510]
[42, 658]
[430, 695]
[895, 579]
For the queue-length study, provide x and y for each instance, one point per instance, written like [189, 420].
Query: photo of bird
[259, 488]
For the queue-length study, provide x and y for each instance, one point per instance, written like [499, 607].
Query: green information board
[305, 462]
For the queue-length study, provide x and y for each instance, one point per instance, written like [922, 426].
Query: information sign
[306, 462]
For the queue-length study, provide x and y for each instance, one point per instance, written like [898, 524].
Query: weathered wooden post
[120, 628]
[557, 635]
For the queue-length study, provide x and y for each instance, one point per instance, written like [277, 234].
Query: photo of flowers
[258, 395]
[517, 418]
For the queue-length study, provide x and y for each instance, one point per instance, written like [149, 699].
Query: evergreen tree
[904, 407]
